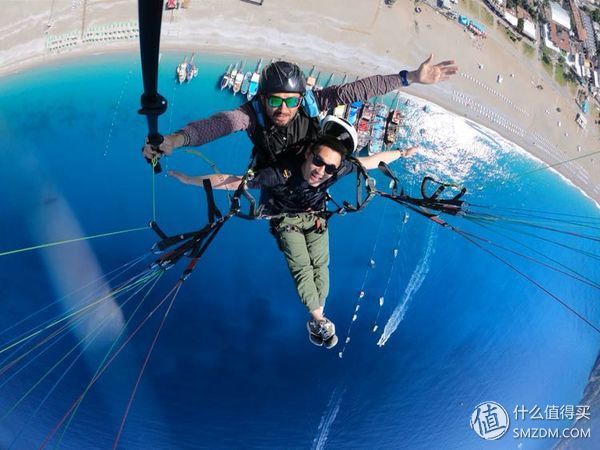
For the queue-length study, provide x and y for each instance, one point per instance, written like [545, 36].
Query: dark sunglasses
[275, 102]
[329, 168]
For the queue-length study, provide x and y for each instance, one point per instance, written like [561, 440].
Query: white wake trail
[414, 284]
[328, 418]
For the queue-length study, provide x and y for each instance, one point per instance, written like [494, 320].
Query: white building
[560, 16]
[511, 19]
[547, 41]
[529, 29]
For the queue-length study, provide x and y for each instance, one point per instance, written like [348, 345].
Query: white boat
[340, 111]
[233, 75]
[239, 78]
[330, 80]
[182, 71]
[253, 88]
[226, 76]
[317, 86]
[246, 83]
[191, 71]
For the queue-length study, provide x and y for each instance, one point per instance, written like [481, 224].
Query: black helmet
[282, 76]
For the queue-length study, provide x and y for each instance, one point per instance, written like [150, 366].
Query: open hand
[429, 73]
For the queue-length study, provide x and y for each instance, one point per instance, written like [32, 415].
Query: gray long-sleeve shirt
[243, 118]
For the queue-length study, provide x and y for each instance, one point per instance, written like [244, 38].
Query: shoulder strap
[258, 111]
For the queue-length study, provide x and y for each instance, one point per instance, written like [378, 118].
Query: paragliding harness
[193, 244]
[264, 149]
[429, 205]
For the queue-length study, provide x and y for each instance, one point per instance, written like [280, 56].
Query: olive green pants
[307, 254]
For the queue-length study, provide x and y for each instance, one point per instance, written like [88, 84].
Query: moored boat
[191, 71]
[226, 76]
[393, 122]
[233, 74]
[253, 88]
[330, 80]
[182, 71]
[317, 86]
[239, 78]
[246, 83]
[340, 111]
[378, 128]
[363, 127]
[354, 112]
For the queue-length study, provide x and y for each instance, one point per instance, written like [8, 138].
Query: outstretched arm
[371, 162]
[366, 88]
[202, 131]
[218, 181]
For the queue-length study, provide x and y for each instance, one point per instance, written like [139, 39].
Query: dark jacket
[244, 118]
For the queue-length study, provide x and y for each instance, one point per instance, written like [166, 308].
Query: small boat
[226, 76]
[310, 79]
[246, 83]
[191, 71]
[253, 88]
[354, 112]
[239, 78]
[330, 80]
[232, 75]
[378, 124]
[316, 86]
[182, 71]
[363, 127]
[393, 123]
[340, 111]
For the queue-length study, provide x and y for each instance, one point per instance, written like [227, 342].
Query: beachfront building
[528, 23]
[512, 20]
[559, 16]
[556, 38]
[590, 42]
[529, 29]
[497, 6]
[556, 32]
[579, 29]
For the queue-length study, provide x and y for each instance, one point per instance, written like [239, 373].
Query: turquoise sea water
[232, 366]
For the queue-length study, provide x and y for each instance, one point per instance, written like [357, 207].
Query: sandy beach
[353, 36]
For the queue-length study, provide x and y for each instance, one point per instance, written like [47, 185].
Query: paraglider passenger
[293, 196]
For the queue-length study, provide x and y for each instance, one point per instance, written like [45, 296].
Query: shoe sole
[331, 342]
[315, 340]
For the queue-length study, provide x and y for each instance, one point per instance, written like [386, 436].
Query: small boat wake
[328, 418]
[414, 284]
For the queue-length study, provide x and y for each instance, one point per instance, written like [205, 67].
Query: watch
[404, 77]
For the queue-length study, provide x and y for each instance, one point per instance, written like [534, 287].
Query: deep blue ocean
[232, 367]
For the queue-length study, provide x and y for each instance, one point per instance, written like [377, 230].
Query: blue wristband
[404, 77]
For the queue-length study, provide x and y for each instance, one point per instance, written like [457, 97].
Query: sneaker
[322, 333]
[331, 342]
